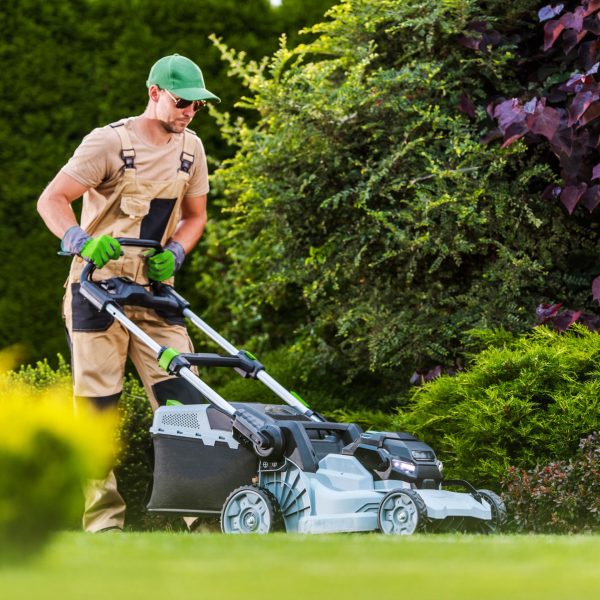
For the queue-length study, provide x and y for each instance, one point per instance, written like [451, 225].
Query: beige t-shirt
[97, 162]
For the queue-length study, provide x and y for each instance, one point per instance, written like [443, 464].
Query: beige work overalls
[100, 345]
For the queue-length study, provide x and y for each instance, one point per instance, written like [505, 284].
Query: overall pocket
[85, 316]
[135, 207]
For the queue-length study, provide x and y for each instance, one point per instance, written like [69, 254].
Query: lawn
[213, 566]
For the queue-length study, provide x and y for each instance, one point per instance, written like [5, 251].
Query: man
[142, 177]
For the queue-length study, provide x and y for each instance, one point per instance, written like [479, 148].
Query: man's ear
[154, 92]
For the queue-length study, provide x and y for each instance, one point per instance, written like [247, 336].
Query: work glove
[98, 250]
[163, 265]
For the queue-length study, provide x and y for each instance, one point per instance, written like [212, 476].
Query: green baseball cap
[180, 76]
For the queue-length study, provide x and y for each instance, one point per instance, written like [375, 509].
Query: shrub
[524, 402]
[555, 111]
[46, 451]
[131, 434]
[363, 215]
[42, 375]
[559, 497]
[558, 105]
[133, 468]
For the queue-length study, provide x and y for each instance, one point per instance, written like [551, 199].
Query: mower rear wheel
[402, 512]
[499, 514]
[274, 449]
[250, 509]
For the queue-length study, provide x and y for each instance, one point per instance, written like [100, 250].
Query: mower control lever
[124, 291]
[241, 362]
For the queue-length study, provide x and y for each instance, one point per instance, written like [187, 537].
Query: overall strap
[127, 151]
[187, 155]
[128, 175]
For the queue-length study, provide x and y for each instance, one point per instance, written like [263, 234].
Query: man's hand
[163, 265]
[100, 250]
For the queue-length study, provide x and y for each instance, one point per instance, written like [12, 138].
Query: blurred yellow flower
[47, 450]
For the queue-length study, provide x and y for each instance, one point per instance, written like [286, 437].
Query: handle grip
[88, 270]
[140, 243]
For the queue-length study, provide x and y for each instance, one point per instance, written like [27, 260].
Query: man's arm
[54, 205]
[191, 225]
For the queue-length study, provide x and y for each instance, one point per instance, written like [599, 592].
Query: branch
[465, 170]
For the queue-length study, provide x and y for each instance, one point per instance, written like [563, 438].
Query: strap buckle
[187, 160]
[128, 156]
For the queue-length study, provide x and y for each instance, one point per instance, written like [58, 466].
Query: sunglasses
[181, 103]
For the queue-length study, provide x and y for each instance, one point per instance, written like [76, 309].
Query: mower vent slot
[189, 420]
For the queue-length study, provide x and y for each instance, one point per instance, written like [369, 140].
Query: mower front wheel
[499, 514]
[250, 509]
[402, 512]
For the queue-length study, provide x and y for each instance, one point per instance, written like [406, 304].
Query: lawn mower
[267, 467]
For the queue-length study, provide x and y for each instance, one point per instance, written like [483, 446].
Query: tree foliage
[559, 102]
[363, 215]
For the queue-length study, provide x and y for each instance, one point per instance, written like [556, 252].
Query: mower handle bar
[262, 375]
[90, 267]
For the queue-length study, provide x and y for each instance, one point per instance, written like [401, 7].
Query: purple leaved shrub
[559, 497]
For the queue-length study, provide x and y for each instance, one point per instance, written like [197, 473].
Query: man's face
[173, 119]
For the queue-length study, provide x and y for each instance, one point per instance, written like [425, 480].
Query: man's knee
[100, 402]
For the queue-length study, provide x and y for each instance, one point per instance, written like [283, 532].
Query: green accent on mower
[166, 357]
[300, 399]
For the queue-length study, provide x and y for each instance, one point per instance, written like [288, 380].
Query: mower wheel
[499, 515]
[274, 449]
[402, 512]
[250, 509]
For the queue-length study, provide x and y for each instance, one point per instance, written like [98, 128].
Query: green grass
[212, 567]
